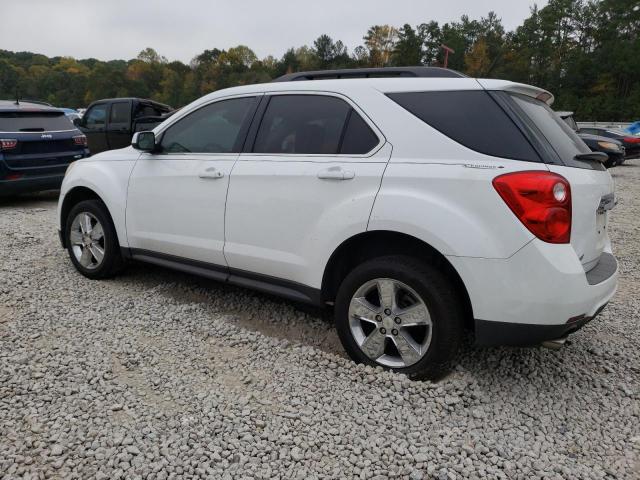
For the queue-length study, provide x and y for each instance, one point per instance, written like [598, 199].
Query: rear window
[471, 118]
[566, 143]
[34, 121]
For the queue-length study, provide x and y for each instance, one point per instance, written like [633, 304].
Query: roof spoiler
[521, 88]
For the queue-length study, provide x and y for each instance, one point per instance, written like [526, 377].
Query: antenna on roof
[17, 96]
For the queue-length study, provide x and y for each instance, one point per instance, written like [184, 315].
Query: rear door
[119, 125]
[309, 175]
[94, 126]
[592, 187]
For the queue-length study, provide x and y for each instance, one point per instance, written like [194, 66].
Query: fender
[108, 179]
[450, 206]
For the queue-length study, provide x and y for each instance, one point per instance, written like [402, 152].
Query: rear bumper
[492, 334]
[541, 293]
[30, 184]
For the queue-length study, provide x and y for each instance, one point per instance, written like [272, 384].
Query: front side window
[214, 128]
[471, 118]
[302, 124]
[96, 116]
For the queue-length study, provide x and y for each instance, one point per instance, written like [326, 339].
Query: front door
[94, 126]
[176, 198]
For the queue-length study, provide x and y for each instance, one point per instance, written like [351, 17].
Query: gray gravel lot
[161, 375]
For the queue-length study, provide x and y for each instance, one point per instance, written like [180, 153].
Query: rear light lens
[541, 201]
[80, 140]
[632, 139]
[13, 176]
[8, 143]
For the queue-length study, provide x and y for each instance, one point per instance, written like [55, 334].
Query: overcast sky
[180, 29]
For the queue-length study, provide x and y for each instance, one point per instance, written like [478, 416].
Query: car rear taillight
[80, 140]
[541, 201]
[8, 143]
[632, 139]
[13, 176]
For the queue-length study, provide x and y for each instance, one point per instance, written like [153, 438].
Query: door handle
[211, 172]
[336, 173]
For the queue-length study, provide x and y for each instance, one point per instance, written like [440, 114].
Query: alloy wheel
[87, 240]
[390, 322]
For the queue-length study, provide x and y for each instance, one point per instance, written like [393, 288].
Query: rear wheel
[400, 313]
[92, 241]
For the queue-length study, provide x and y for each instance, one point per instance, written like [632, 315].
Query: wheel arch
[375, 243]
[73, 197]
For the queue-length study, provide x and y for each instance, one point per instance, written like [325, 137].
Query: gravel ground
[162, 375]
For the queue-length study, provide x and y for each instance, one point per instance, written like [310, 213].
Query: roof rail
[413, 72]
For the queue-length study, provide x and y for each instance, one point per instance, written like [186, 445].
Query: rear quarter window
[34, 121]
[471, 118]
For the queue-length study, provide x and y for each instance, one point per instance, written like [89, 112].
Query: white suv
[416, 206]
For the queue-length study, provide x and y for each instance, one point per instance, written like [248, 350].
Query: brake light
[80, 140]
[541, 201]
[13, 176]
[632, 139]
[8, 143]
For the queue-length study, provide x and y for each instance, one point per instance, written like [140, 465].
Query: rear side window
[358, 137]
[120, 113]
[214, 128]
[34, 122]
[471, 118]
[566, 143]
[302, 124]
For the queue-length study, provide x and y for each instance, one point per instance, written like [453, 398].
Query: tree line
[586, 52]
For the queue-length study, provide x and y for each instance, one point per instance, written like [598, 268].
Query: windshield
[566, 143]
[34, 121]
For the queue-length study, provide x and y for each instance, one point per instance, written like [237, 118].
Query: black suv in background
[109, 124]
[37, 143]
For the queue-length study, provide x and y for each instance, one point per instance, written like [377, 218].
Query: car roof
[384, 85]
[12, 106]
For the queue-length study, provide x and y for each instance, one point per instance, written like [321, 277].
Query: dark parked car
[631, 142]
[109, 124]
[613, 148]
[37, 143]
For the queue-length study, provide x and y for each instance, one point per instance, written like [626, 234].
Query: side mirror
[144, 141]
[77, 121]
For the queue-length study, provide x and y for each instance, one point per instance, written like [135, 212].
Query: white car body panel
[172, 210]
[284, 221]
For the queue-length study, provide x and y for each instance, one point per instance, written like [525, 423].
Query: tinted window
[471, 118]
[33, 121]
[562, 138]
[211, 129]
[303, 124]
[96, 116]
[358, 137]
[120, 113]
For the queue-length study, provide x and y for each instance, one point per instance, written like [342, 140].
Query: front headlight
[609, 146]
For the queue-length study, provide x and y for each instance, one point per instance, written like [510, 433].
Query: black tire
[112, 262]
[436, 291]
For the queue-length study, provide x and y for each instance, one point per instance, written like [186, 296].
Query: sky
[181, 29]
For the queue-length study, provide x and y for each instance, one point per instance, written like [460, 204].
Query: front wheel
[400, 313]
[92, 241]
